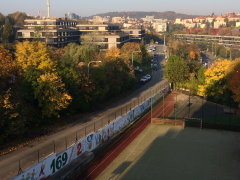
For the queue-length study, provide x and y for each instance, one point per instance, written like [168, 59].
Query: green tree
[8, 31]
[176, 70]
[80, 53]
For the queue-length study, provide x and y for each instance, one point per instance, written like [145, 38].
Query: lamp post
[132, 55]
[91, 62]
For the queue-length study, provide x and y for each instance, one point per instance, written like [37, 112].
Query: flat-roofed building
[136, 33]
[106, 40]
[87, 28]
[237, 24]
[56, 32]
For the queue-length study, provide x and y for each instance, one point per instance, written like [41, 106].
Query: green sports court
[170, 153]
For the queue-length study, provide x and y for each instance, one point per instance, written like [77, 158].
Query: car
[143, 79]
[148, 76]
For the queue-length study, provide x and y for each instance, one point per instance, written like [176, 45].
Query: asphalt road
[9, 163]
[207, 58]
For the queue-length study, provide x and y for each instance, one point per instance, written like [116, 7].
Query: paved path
[170, 153]
[9, 163]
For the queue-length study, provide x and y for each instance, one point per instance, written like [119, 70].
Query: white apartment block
[118, 20]
[237, 24]
[160, 27]
[218, 24]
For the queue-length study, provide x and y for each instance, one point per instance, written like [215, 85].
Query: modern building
[56, 32]
[108, 40]
[107, 35]
[87, 28]
[136, 34]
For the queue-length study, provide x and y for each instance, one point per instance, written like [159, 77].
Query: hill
[170, 15]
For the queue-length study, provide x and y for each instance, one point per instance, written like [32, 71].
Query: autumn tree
[194, 52]
[50, 92]
[234, 81]
[131, 49]
[215, 86]
[113, 52]
[40, 72]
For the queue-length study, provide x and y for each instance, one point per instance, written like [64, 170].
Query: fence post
[189, 102]
[163, 107]
[54, 147]
[38, 155]
[66, 142]
[19, 167]
[76, 137]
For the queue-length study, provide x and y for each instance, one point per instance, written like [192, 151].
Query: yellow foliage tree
[40, 71]
[34, 55]
[51, 94]
[128, 50]
[113, 52]
[214, 79]
[234, 81]
[7, 65]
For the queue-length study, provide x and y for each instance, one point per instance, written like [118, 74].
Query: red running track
[100, 164]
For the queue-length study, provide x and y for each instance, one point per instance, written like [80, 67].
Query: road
[207, 58]
[9, 163]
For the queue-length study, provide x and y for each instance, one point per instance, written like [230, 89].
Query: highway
[9, 163]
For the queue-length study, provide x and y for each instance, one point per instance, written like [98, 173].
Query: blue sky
[91, 7]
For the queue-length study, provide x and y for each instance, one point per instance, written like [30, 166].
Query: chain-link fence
[62, 143]
[196, 111]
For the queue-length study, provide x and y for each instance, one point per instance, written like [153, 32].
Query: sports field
[170, 153]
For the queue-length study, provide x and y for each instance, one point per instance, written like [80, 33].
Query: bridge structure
[227, 41]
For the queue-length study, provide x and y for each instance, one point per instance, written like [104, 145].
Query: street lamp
[91, 62]
[132, 55]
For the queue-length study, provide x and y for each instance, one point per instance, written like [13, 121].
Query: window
[19, 34]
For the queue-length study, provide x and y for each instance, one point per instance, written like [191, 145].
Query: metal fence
[62, 143]
[197, 111]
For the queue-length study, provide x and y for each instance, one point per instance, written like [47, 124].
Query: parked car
[143, 79]
[148, 76]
